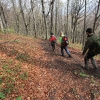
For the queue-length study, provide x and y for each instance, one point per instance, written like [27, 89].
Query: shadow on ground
[69, 64]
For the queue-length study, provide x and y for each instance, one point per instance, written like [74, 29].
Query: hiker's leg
[53, 46]
[62, 52]
[67, 51]
[86, 61]
[94, 63]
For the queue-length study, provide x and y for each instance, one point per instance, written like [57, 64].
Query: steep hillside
[30, 70]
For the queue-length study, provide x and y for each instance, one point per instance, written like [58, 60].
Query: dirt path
[50, 76]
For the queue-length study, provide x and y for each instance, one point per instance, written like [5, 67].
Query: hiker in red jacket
[52, 41]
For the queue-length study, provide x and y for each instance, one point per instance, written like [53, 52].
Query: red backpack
[53, 39]
[65, 41]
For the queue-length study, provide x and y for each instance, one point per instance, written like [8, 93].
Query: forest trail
[47, 75]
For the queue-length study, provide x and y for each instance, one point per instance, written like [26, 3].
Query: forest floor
[30, 70]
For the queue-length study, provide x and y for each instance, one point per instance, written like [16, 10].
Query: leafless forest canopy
[39, 18]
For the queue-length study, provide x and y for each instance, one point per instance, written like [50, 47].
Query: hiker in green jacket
[63, 45]
[89, 49]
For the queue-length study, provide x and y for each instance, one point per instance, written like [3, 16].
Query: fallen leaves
[49, 76]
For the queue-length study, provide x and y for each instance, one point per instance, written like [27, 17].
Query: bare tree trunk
[3, 18]
[44, 16]
[84, 26]
[34, 24]
[73, 33]
[74, 28]
[1, 25]
[77, 6]
[60, 22]
[67, 18]
[21, 9]
[56, 17]
[52, 7]
[34, 20]
[96, 16]
[16, 17]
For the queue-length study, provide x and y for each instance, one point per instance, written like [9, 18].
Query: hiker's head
[51, 34]
[89, 31]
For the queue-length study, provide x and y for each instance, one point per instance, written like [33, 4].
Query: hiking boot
[70, 56]
[95, 67]
[85, 67]
[62, 55]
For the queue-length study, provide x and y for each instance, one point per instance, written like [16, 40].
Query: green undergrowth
[83, 74]
[11, 75]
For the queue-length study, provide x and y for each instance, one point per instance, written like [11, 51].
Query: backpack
[65, 41]
[97, 46]
[53, 39]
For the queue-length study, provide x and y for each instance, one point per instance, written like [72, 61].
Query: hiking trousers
[53, 45]
[91, 57]
[66, 49]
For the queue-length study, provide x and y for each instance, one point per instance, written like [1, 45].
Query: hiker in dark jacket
[63, 46]
[89, 49]
[52, 41]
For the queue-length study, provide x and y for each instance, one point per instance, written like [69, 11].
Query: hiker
[64, 45]
[52, 41]
[89, 49]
